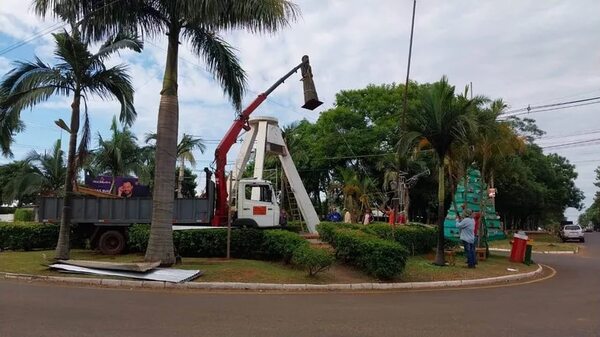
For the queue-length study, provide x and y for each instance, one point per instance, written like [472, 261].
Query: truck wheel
[111, 242]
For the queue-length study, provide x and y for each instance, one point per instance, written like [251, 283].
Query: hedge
[273, 245]
[24, 214]
[313, 260]
[27, 236]
[381, 258]
[418, 239]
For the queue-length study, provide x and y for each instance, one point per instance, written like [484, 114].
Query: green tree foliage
[79, 73]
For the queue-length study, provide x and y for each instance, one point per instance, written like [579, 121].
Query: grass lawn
[418, 268]
[540, 242]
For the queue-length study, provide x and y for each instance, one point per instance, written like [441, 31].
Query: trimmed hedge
[273, 245]
[281, 245]
[27, 236]
[24, 214]
[418, 239]
[313, 260]
[381, 258]
[34, 235]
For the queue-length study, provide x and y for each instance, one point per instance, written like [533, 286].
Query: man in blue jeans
[467, 237]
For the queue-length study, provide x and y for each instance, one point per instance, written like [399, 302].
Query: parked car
[589, 228]
[572, 232]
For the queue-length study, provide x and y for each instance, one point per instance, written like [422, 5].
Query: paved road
[565, 305]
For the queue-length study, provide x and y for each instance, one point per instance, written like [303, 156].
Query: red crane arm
[241, 122]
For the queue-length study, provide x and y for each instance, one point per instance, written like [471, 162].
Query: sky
[527, 52]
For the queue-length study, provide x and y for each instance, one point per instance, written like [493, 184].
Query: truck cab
[256, 204]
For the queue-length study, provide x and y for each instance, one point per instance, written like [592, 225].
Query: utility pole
[412, 28]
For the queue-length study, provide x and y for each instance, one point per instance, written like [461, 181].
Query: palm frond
[115, 82]
[256, 16]
[117, 43]
[221, 61]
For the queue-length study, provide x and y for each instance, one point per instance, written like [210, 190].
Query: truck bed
[102, 211]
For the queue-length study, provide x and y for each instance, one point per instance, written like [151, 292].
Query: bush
[28, 236]
[137, 240]
[313, 260]
[24, 214]
[418, 239]
[381, 258]
[279, 245]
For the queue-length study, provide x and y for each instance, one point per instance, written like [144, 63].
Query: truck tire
[245, 223]
[111, 242]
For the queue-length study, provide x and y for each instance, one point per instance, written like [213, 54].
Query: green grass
[421, 269]
[540, 242]
[418, 268]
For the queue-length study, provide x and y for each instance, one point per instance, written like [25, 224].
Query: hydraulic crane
[311, 102]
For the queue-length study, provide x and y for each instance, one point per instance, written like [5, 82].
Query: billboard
[125, 187]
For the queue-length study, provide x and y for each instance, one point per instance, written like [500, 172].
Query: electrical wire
[48, 30]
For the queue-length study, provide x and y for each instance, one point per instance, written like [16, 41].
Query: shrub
[24, 214]
[28, 236]
[313, 260]
[137, 240]
[418, 239]
[281, 245]
[381, 258]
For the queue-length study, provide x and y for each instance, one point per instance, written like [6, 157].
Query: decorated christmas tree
[473, 194]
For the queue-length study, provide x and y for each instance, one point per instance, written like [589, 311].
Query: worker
[347, 217]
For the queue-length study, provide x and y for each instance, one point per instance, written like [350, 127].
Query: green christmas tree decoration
[473, 194]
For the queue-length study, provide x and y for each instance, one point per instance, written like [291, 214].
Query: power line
[578, 143]
[529, 107]
[48, 30]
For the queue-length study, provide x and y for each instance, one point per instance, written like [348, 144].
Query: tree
[79, 73]
[197, 22]
[120, 155]
[185, 149]
[188, 184]
[443, 120]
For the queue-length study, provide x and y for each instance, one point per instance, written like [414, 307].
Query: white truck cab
[256, 204]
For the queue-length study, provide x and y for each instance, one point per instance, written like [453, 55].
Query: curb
[114, 283]
[559, 252]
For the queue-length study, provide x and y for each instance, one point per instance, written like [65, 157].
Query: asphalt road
[567, 304]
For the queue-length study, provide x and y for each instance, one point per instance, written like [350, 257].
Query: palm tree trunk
[62, 246]
[439, 255]
[160, 245]
[180, 180]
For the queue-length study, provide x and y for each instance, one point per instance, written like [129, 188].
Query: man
[467, 237]
[126, 190]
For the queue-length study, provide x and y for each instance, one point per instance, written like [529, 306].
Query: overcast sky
[526, 52]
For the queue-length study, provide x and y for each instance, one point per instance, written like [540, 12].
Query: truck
[252, 204]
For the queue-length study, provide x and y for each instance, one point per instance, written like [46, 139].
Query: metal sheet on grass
[139, 267]
[158, 274]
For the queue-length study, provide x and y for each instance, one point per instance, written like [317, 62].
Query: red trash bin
[517, 252]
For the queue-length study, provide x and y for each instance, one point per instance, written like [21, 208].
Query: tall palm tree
[443, 120]
[185, 149]
[198, 22]
[80, 73]
[120, 155]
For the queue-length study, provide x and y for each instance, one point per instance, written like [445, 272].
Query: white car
[572, 232]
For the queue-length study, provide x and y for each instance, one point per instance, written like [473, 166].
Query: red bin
[517, 252]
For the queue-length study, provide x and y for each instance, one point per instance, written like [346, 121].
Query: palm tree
[185, 149]
[197, 22]
[79, 73]
[50, 170]
[39, 174]
[443, 121]
[120, 155]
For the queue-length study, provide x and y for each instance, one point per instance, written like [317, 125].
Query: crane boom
[241, 122]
